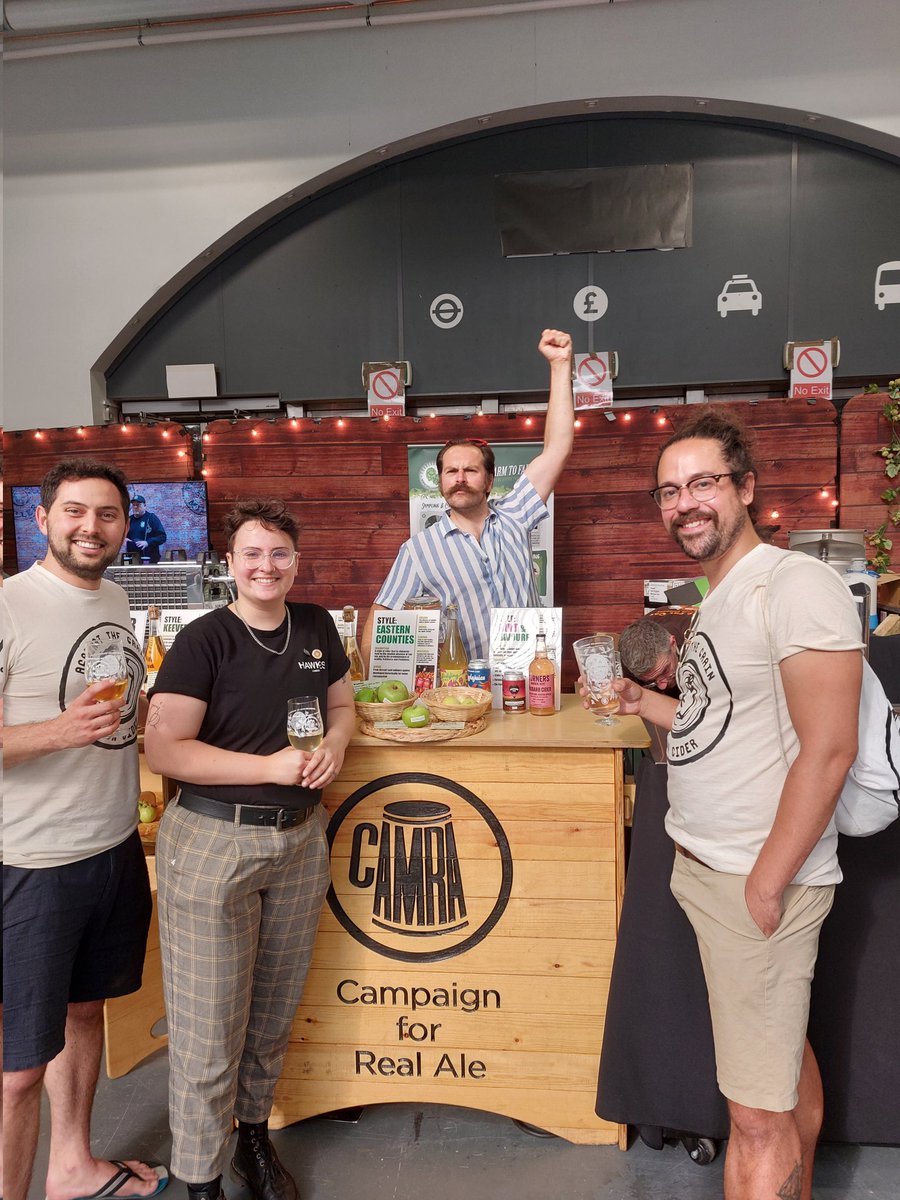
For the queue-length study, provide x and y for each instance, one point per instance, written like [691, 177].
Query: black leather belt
[266, 815]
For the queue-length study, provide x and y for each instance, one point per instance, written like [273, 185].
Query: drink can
[513, 691]
[480, 674]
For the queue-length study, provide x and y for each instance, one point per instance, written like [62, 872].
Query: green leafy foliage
[879, 541]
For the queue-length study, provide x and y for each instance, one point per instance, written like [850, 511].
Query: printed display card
[405, 647]
[513, 642]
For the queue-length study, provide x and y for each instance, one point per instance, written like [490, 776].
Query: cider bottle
[156, 650]
[541, 679]
[453, 664]
[351, 647]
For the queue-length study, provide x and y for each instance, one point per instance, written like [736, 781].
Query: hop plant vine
[880, 540]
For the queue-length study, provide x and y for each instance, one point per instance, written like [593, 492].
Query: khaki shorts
[758, 987]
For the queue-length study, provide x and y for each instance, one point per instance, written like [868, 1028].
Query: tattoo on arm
[153, 715]
[790, 1189]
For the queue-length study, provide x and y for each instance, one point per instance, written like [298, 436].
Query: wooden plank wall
[146, 452]
[863, 431]
[348, 483]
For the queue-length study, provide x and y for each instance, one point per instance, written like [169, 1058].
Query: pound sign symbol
[590, 303]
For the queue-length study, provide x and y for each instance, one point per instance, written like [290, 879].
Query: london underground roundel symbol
[410, 877]
[446, 310]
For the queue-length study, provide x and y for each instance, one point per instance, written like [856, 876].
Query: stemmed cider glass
[304, 723]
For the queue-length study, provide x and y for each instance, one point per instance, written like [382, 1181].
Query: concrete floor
[408, 1152]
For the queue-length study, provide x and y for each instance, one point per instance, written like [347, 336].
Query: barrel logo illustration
[421, 867]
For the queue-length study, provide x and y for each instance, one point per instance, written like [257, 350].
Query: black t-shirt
[246, 689]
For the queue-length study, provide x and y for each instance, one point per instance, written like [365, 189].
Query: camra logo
[421, 867]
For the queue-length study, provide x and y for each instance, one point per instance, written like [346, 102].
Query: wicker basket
[382, 712]
[431, 733]
[435, 702]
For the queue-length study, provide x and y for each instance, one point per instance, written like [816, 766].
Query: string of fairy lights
[827, 491]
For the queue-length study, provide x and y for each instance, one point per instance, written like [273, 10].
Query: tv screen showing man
[145, 532]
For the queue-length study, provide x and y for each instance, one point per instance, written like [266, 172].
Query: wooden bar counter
[463, 956]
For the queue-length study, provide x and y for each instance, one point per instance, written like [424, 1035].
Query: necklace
[263, 645]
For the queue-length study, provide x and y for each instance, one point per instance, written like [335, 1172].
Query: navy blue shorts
[70, 934]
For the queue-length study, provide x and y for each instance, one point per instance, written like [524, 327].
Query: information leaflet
[405, 647]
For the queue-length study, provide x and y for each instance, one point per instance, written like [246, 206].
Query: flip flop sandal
[111, 1190]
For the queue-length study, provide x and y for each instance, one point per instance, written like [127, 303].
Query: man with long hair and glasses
[759, 744]
[478, 555]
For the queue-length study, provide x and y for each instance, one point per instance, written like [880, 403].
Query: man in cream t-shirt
[759, 744]
[76, 898]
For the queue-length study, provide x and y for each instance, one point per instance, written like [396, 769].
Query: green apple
[366, 695]
[468, 701]
[453, 699]
[416, 716]
[146, 813]
[391, 691]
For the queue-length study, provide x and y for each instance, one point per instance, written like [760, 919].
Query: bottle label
[540, 691]
[150, 680]
[453, 676]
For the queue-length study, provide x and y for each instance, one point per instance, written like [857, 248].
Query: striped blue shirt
[478, 576]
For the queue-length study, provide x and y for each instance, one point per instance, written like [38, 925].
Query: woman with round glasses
[242, 858]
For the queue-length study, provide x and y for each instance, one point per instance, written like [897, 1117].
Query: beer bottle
[351, 648]
[541, 678]
[453, 665]
[156, 650]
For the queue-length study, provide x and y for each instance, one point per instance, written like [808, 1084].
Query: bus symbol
[887, 285]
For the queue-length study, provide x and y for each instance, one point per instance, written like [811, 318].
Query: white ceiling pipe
[219, 26]
[45, 16]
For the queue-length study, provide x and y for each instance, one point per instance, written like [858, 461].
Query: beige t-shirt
[726, 769]
[71, 804]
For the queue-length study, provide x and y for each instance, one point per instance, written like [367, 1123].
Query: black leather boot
[257, 1164]
[206, 1191]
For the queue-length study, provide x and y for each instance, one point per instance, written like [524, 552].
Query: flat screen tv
[181, 508]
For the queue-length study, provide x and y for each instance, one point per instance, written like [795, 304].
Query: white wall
[121, 166]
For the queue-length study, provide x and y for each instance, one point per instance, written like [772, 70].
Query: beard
[67, 557]
[716, 540]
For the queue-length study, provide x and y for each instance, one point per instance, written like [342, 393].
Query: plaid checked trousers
[238, 910]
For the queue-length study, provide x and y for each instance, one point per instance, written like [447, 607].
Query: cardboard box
[888, 593]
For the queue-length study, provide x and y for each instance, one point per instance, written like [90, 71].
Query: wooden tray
[432, 733]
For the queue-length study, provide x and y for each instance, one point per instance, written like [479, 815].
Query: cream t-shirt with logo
[726, 768]
[65, 806]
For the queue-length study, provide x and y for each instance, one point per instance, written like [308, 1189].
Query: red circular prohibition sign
[816, 362]
[386, 385]
[592, 372]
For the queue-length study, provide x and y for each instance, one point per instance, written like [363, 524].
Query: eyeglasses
[465, 442]
[704, 487]
[660, 681]
[281, 559]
